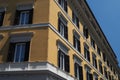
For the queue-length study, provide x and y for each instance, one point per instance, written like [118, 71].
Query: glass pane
[24, 17]
[27, 18]
[61, 61]
[17, 53]
[62, 29]
[22, 54]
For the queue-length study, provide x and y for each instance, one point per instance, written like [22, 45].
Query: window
[1, 18]
[105, 72]
[75, 19]
[78, 71]
[94, 61]
[76, 41]
[98, 51]
[85, 32]
[93, 43]
[23, 17]
[100, 67]
[62, 28]
[63, 61]
[63, 4]
[87, 53]
[18, 52]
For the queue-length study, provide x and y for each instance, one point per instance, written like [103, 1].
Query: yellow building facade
[53, 40]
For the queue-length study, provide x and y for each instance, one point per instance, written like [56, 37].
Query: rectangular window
[63, 4]
[1, 18]
[76, 43]
[75, 19]
[63, 61]
[93, 43]
[100, 68]
[105, 72]
[94, 61]
[18, 52]
[87, 53]
[62, 28]
[23, 17]
[78, 72]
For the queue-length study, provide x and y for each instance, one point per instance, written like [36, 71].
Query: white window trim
[77, 60]
[62, 18]
[62, 47]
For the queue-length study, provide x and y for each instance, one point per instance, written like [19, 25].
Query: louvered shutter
[59, 22]
[30, 16]
[65, 6]
[91, 76]
[67, 66]
[17, 17]
[11, 52]
[2, 18]
[87, 75]
[88, 53]
[79, 48]
[81, 72]
[59, 52]
[27, 48]
[75, 69]
[95, 63]
[77, 22]
[73, 17]
[86, 30]
[74, 41]
[66, 32]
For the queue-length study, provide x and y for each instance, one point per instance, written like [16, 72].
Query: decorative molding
[34, 67]
[21, 37]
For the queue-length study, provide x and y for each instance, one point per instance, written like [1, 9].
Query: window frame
[76, 41]
[63, 4]
[94, 61]
[75, 19]
[87, 53]
[100, 67]
[24, 14]
[63, 50]
[12, 53]
[18, 18]
[20, 53]
[64, 30]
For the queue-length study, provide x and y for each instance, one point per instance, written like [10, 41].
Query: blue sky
[107, 13]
